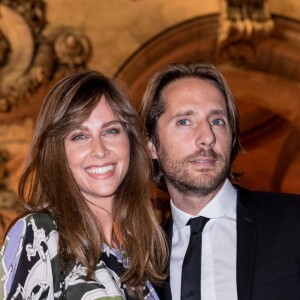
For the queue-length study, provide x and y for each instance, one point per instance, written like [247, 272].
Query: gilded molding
[242, 24]
[29, 58]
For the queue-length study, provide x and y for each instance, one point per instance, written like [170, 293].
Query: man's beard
[177, 173]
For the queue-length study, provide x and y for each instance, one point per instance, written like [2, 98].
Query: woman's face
[98, 154]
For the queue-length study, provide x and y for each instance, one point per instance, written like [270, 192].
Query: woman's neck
[104, 221]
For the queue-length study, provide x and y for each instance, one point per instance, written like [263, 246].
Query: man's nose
[205, 136]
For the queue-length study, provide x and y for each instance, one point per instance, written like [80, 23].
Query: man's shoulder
[270, 199]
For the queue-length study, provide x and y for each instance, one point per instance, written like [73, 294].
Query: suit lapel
[246, 240]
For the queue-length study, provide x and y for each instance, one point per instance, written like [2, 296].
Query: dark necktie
[191, 268]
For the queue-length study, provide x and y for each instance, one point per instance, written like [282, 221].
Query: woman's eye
[78, 137]
[112, 131]
[183, 122]
[218, 122]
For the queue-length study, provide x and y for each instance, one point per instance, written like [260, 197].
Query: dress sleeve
[28, 260]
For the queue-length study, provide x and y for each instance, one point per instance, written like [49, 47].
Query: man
[251, 241]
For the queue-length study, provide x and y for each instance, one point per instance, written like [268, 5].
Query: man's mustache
[210, 153]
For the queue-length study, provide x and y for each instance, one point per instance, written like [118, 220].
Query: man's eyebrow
[184, 113]
[218, 112]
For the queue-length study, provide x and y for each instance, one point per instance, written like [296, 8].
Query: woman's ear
[152, 149]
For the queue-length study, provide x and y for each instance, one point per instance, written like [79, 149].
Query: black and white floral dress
[30, 268]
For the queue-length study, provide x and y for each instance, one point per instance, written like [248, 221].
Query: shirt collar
[216, 208]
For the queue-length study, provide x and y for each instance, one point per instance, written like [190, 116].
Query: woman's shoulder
[40, 220]
[30, 244]
[35, 222]
[36, 227]
[33, 229]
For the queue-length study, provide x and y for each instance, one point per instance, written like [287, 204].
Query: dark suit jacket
[268, 247]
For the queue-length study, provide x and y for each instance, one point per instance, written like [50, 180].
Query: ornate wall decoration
[8, 199]
[30, 61]
[4, 49]
[242, 24]
[28, 58]
[9, 204]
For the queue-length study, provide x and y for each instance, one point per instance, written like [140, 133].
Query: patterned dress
[30, 268]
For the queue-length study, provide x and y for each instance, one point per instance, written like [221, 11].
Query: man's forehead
[191, 104]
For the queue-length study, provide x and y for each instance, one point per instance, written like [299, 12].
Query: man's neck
[191, 204]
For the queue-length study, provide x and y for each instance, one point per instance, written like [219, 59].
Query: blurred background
[254, 43]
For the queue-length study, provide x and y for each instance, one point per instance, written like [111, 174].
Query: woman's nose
[99, 149]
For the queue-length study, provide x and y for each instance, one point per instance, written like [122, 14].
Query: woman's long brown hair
[47, 184]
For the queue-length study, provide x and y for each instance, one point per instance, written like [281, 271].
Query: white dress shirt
[218, 262]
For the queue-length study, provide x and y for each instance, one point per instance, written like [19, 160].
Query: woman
[90, 231]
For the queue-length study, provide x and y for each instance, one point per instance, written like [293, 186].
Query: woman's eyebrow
[113, 122]
[104, 125]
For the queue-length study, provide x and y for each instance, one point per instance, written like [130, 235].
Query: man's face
[194, 137]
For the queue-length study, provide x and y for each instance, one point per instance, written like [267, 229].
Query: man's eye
[218, 122]
[113, 131]
[78, 137]
[183, 122]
